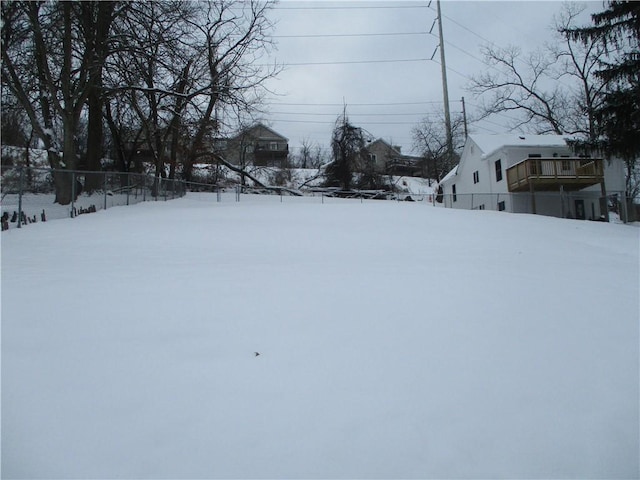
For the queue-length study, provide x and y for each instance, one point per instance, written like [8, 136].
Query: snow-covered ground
[37, 206]
[396, 340]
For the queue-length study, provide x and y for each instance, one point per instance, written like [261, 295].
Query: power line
[454, 71]
[355, 62]
[468, 30]
[356, 104]
[329, 35]
[352, 7]
[332, 123]
[354, 114]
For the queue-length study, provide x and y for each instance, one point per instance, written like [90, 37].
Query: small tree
[430, 139]
[347, 142]
[309, 156]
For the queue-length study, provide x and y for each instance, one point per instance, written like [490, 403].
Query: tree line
[163, 77]
[94, 79]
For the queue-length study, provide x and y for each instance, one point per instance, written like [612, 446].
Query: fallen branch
[255, 180]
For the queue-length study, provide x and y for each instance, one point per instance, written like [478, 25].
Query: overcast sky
[376, 56]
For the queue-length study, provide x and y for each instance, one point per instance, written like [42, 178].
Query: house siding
[488, 192]
[257, 145]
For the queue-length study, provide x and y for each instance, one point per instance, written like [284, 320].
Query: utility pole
[464, 118]
[445, 90]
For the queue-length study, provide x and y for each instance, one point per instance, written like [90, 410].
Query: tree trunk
[97, 17]
[94, 140]
[63, 182]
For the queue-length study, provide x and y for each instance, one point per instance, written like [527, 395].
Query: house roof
[490, 143]
[262, 126]
[393, 149]
[386, 144]
[453, 172]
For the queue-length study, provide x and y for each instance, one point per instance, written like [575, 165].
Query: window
[566, 165]
[498, 170]
[373, 158]
[453, 191]
[476, 177]
[273, 146]
[501, 206]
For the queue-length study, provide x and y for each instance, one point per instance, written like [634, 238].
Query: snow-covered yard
[396, 340]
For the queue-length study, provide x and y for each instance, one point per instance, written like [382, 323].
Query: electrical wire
[324, 122]
[355, 62]
[331, 35]
[356, 104]
[352, 7]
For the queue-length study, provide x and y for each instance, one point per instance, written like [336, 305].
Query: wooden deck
[550, 174]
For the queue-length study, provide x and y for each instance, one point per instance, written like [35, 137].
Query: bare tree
[430, 139]
[192, 69]
[578, 61]
[149, 75]
[551, 90]
[236, 42]
[303, 158]
[53, 54]
[311, 155]
[524, 85]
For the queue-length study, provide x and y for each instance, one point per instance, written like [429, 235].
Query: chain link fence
[29, 194]
[581, 205]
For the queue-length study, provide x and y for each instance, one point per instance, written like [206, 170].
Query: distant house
[383, 158]
[531, 174]
[257, 145]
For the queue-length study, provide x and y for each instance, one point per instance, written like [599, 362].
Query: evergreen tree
[618, 29]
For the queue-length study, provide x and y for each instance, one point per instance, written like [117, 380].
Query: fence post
[20, 187]
[128, 187]
[73, 193]
[625, 212]
[104, 186]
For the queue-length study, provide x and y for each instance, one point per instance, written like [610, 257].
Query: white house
[531, 174]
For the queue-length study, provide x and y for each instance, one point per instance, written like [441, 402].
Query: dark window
[501, 206]
[453, 191]
[498, 170]
[566, 165]
[476, 177]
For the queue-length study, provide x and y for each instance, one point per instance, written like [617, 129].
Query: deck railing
[549, 173]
